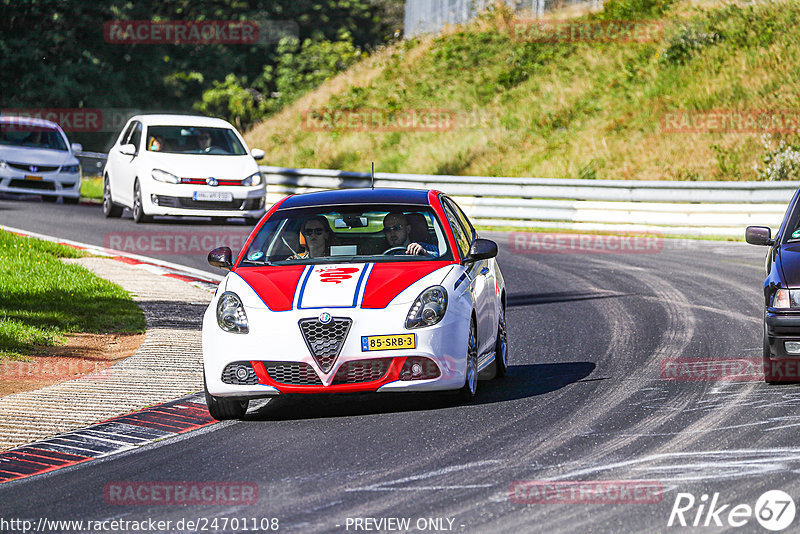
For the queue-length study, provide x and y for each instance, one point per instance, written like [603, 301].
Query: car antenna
[373, 175]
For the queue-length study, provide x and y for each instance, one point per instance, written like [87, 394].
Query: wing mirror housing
[128, 150]
[76, 147]
[257, 154]
[481, 249]
[221, 257]
[759, 235]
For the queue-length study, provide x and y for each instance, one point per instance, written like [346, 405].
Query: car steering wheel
[392, 250]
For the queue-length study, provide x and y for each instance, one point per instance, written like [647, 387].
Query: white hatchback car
[37, 158]
[182, 165]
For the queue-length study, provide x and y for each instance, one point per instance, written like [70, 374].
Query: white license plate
[219, 196]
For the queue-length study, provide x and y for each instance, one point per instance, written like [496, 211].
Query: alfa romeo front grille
[293, 373]
[324, 341]
[359, 371]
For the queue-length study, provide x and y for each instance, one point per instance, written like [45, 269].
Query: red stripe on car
[275, 285]
[387, 280]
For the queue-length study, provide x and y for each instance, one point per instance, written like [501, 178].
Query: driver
[397, 229]
[204, 139]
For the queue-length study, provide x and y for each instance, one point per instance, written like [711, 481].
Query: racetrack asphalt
[584, 400]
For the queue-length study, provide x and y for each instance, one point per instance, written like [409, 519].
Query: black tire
[223, 409]
[110, 210]
[49, 199]
[501, 346]
[70, 200]
[768, 377]
[139, 216]
[470, 387]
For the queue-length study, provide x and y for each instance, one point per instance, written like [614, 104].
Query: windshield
[351, 233]
[32, 136]
[193, 140]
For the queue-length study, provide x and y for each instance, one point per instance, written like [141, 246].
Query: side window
[463, 218]
[462, 240]
[123, 139]
[136, 135]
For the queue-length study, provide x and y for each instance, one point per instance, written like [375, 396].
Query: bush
[781, 162]
[634, 9]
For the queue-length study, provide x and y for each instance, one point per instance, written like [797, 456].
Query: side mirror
[221, 257]
[128, 150]
[257, 154]
[758, 235]
[77, 147]
[482, 249]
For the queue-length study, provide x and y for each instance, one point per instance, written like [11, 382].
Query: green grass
[92, 187]
[42, 298]
[561, 110]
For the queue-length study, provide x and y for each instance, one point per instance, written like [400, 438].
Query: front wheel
[470, 387]
[223, 409]
[139, 215]
[769, 378]
[501, 347]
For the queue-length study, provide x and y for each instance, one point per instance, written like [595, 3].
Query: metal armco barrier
[668, 207]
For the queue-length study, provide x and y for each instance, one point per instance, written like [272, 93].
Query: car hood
[351, 285]
[204, 166]
[37, 156]
[790, 265]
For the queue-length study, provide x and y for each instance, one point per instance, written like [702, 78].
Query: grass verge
[42, 298]
[92, 187]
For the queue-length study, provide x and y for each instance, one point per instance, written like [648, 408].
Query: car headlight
[3, 164]
[253, 179]
[164, 176]
[786, 299]
[71, 169]
[428, 309]
[230, 314]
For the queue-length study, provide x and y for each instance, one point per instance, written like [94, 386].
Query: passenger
[397, 230]
[318, 235]
[156, 144]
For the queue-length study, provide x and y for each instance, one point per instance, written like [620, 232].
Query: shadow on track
[522, 381]
[532, 299]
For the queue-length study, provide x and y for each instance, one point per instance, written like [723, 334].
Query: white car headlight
[3, 164]
[786, 299]
[230, 314]
[70, 169]
[253, 179]
[164, 176]
[428, 309]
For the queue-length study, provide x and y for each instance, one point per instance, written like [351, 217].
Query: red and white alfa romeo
[358, 290]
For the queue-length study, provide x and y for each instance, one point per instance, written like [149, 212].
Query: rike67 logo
[774, 510]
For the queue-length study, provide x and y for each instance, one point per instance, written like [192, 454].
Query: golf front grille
[359, 371]
[231, 374]
[293, 373]
[324, 341]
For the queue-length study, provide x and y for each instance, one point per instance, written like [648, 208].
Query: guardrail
[669, 207]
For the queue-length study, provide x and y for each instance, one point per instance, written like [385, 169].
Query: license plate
[219, 196]
[33, 177]
[400, 341]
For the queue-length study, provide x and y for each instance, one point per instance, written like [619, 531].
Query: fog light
[241, 373]
[416, 369]
[419, 368]
[154, 199]
[792, 347]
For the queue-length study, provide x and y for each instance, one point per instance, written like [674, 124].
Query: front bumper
[780, 328]
[275, 337]
[50, 184]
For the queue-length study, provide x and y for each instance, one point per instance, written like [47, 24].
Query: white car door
[482, 291]
[123, 166]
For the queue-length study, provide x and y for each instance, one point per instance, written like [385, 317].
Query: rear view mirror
[77, 147]
[758, 235]
[221, 257]
[127, 150]
[482, 249]
[257, 153]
